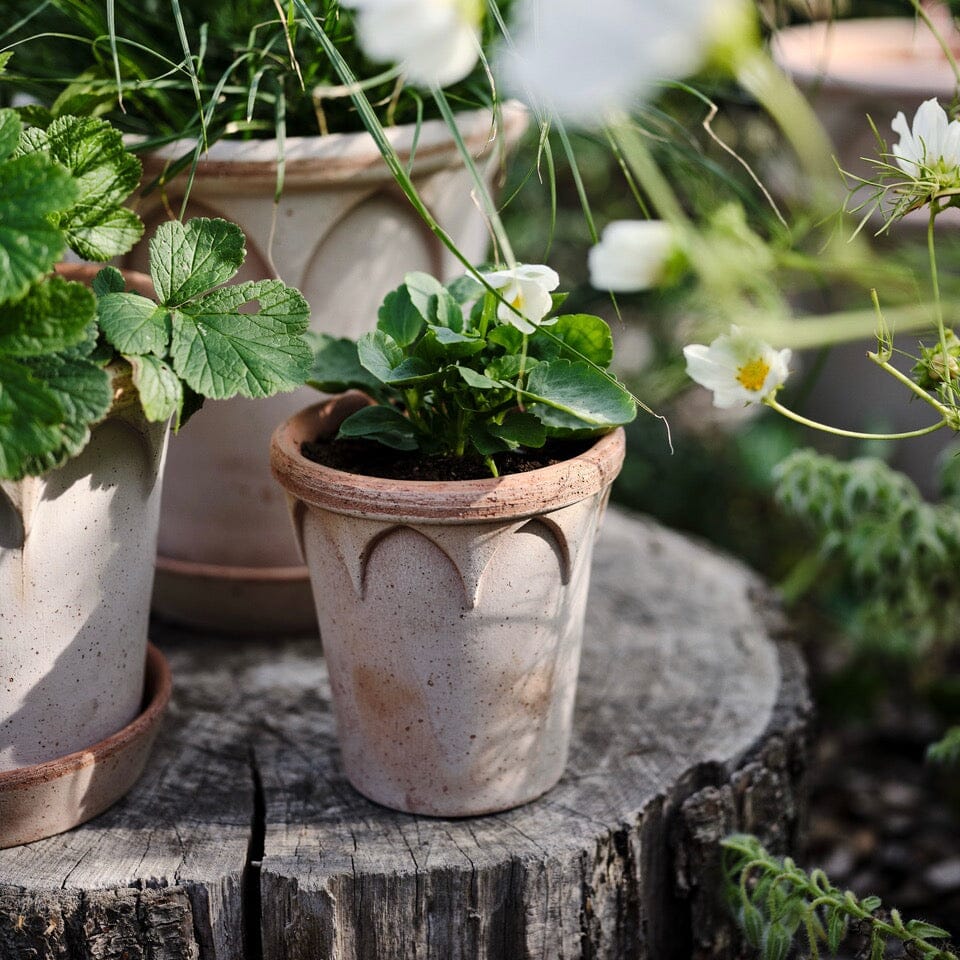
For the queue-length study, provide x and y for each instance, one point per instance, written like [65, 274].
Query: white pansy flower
[582, 62]
[631, 255]
[436, 42]
[738, 367]
[932, 148]
[526, 288]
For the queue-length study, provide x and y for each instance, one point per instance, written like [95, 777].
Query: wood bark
[243, 841]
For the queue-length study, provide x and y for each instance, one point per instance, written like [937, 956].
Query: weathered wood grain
[244, 840]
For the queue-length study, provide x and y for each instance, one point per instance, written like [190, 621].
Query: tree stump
[243, 840]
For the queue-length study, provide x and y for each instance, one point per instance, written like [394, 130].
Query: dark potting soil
[372, 459]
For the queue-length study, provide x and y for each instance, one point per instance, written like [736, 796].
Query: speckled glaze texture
[47, 798]
[344, 236]
[76, 569]
[451, 616]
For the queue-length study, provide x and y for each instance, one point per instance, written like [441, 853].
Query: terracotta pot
[76, 570]
[451, 616]
[344, 235]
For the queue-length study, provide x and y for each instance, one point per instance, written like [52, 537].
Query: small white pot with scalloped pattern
[451, 616]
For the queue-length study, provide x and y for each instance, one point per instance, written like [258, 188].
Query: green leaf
[134, 324]
[509, 367]
[382, 423]
[477, 380]
[30, 415]
[105, 172]
[399, 319]
[871, 904]
[837, 925]
[97, 234]
[776, 942]
[441, 344]
[336, 367]
[465, 289]
[31, 190]
[580, 335]
[520, 429]
[221, 353]
[160, 390]
[51, 317]
[108, 280]
[506, 336]
[432, 301]
[573, 395]
[926, 931]
[423, 291]
[188, 259]
[752, 922]
[484, 442]
[10, 130]
[379, 353]
[85, 395]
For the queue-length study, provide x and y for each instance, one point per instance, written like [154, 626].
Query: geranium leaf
[188, 259]
[30, 415]
[105, 173]
[51, 317]
[31, 190]
[382, 423]
[83, 392]
[10, 130]
[160, 390]
[221, 353]
[108, 280]
[134, 324]
[574, 395]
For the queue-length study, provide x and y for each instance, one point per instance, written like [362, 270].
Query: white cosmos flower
[437, 42]
[631, 255]
[582, 61]
[738, 367]
[527, 288]
[932, 148]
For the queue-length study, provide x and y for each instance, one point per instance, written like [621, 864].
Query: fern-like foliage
[780, 907]
[895, 554]
[946, 750]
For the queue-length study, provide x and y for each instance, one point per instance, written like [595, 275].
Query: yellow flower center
[517, 302]
[753, 374]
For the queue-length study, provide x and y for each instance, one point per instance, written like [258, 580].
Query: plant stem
[944, 412]
[854, 434]
[937, 304]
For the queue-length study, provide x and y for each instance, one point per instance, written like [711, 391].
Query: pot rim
[813, 53]
[515, 495]
[334, 157]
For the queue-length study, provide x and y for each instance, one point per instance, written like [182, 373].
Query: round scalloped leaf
[31, 189]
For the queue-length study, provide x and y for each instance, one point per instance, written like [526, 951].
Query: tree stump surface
[243, 840]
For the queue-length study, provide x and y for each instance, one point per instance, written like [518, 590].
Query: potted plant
[447, 514]
[252, 124]
[91, 375]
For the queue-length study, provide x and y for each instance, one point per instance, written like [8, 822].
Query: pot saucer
[226, 599]
[48, 798]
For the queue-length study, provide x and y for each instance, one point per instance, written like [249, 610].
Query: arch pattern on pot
[469, 547]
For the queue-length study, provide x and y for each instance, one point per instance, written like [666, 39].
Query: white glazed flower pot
[344, 235]
[451, 616]
[76, 571]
